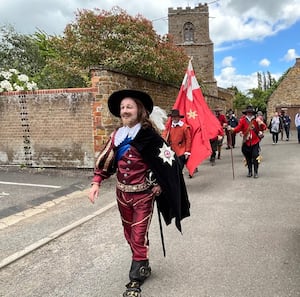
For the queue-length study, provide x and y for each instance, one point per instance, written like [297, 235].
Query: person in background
[251, 127]
[232, 122]
[297, 124]
[286, 122]
[275, 126]
[146, 170]
[214, 146]
[178, 136]
[223, 121]
[261, 116]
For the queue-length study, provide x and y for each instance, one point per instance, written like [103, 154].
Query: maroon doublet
[135, 201]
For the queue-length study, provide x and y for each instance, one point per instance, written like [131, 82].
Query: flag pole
[231, 154]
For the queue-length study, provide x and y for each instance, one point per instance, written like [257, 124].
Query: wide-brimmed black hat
[175, 113]
[249, 109]
[115, 99]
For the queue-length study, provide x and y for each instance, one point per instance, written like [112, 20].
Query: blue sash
[123, 148]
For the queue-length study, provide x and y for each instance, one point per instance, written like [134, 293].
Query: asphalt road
[242, 239]
[21, 188]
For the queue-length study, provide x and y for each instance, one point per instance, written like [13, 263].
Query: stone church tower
[190, 29]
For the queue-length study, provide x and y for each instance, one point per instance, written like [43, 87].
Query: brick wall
[108, 81]
[47, 128]
[67, 127]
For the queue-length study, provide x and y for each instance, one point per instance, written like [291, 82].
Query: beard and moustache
[128, 120]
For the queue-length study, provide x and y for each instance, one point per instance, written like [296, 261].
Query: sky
[248, 36]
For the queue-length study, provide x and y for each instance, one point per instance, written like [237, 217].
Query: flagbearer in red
[179, 137]
[204, 125]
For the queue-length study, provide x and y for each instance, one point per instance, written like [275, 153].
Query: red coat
[250, 134]
[179, 138]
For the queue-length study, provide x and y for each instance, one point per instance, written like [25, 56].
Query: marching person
[232, 122]
[252, 128]
[179, 137]
[214, 146]
[146, 170]
[223, 121]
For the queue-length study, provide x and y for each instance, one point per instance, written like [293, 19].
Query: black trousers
[251, 153]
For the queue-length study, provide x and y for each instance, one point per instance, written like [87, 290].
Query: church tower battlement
[190, 30]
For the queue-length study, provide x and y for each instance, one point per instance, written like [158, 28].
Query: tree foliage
[18, 51]
[112, 39]
[257, 97]
[117, 40]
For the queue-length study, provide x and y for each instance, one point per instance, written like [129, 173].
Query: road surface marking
[30, 185]
[30, 248]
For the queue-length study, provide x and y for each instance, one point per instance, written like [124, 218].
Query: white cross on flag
[204, 124]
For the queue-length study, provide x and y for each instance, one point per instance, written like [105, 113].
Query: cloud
[291, 55]
[238, 20]
[264, 62]
[229, 78]
[227, 61]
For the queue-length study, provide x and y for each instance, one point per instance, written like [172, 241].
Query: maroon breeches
[136, 211]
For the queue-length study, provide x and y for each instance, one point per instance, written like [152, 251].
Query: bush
[13, 80]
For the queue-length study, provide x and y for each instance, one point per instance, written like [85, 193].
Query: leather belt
[132, 188]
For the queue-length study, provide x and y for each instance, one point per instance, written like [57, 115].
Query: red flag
[204, 124]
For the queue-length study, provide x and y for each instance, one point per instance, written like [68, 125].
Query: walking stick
[230, 145]
[161, 231]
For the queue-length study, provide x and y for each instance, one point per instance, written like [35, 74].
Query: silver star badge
[166, 154]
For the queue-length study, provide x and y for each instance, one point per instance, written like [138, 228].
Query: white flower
[6, 74]
[12, 80]
[18, 88]
[23, 77]
[6, 85]
[15, 71]
[31, 86]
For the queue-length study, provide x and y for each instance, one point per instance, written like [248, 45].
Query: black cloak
[173, 202]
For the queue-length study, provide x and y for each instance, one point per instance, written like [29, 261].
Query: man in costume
[252, 128]
[147, 170]
[179, 137]
[223, 121]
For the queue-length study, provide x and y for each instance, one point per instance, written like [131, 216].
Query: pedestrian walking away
[297, 124]
[286, 122]
[146, 170]
[252, 128]
[275, 127]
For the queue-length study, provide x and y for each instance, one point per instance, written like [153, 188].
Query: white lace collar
[249, 118]
[180, 124]
[125, 131]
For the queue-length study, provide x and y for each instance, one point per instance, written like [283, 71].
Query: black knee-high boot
[249, 164]
[255, 164]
